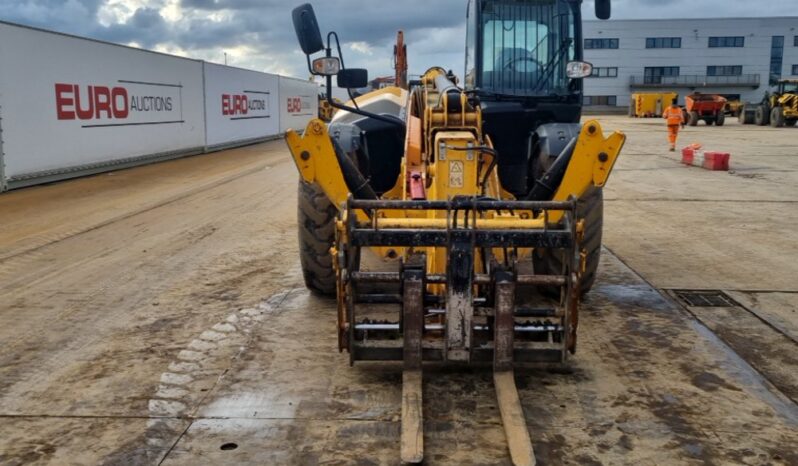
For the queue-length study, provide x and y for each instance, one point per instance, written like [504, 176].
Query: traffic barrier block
[710, 160]
[717, 161]
[688, 155]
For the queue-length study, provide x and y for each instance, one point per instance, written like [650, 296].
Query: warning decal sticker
[456, 174]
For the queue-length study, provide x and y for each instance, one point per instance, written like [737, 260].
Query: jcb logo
[294, 104]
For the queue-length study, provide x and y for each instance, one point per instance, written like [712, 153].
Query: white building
[735, 57]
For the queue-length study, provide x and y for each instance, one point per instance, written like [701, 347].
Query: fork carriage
[457, 316]
[470, 314]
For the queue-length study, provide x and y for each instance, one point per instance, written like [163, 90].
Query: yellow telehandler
[475, 194]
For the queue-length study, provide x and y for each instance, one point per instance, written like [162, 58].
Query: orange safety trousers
[673, 133]
[673, 115]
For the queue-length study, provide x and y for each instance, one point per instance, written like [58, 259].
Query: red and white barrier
[709, 160]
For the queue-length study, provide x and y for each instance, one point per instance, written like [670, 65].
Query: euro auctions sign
[124, 103]
[246, 105]
[299, 105]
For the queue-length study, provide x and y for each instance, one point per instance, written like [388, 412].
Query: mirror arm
[338, 45]
[341, 59]
[310, 67]
[356, 110]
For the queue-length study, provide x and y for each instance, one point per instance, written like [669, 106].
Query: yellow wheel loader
[779, 108]
[484, 201]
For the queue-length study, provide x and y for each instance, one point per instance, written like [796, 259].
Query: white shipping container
[71, 105]
[240, 105]
[298, 103]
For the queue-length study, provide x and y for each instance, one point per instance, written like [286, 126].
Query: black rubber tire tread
[693, 121]
[590, 208]
[777, 117]
[762, 116]
[720, 119]
[316, 225]
[746, 117]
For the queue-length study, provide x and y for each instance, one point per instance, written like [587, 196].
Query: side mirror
[603, 9]
[353, 78]
[307, 29]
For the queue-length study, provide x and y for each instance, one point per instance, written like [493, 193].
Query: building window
[607, 100]
[733, 70]
[654, 74]
[601, 43]
[795, 70]
[776, 58]
[604, 72]
[738, 41]
[664, 43]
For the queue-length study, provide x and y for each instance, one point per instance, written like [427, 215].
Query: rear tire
[316, 221]
[693, 119]
[721, 119]
[776, 117]
[790, 123]
[746, 116]
[549, 262]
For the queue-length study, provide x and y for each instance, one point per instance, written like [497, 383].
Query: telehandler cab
[464, 190]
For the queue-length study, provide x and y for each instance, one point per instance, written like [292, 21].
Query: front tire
[590, 208]
[316, 221]
[693, 119]
[721, 119]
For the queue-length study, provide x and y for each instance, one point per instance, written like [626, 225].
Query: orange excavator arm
[400, 60]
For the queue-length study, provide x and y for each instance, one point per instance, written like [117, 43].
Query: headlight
[578, 69]
[326, 66]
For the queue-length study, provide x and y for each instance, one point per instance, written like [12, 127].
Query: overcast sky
[257, 34]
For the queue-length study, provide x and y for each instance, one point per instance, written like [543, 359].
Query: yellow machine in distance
[778, 109]
[650, 105]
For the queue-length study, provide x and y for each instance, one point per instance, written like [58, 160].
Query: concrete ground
[157, 316]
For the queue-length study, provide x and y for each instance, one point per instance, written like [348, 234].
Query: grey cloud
[434, 29]
[70, 16]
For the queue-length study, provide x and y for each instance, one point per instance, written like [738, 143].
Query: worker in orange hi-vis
[675, 120]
